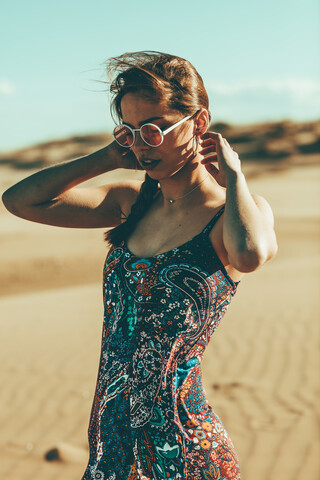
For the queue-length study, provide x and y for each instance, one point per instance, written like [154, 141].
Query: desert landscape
[261, 368]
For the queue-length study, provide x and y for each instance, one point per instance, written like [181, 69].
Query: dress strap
[213, 220]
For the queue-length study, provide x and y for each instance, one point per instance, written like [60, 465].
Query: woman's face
[176, 149]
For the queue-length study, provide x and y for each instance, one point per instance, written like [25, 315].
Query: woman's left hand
[217, 149]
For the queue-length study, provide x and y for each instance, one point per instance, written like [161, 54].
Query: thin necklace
[172, 200]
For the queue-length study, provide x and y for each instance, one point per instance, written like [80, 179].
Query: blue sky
[259, 60]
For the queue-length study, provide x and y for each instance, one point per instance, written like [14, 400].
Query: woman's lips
[149, 164]
[148, 160]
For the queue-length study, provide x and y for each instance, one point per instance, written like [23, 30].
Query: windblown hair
[158, 77]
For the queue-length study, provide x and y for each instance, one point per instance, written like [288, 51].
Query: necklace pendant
[172, 200]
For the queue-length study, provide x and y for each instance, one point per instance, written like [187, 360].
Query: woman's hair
[158, 77]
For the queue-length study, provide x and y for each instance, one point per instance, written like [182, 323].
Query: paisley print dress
[150, 419]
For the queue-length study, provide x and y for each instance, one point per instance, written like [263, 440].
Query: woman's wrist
[120, 157]
[233, 177]
[103, 160]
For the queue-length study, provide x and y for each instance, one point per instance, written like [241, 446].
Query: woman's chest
[182, 273]
[168, 295]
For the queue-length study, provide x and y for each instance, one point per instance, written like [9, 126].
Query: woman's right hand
[124, 157]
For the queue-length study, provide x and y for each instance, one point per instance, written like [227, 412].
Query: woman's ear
[201, 122]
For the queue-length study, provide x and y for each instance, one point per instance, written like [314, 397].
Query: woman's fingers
[208, 141]
[213, 138]
[214, 142]
[210, 158]
[216, 150]
[205, 151]
[208, 146]
[217, 137]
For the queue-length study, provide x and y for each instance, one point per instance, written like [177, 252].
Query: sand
[260, 369]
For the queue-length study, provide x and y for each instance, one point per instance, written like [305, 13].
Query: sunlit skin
[179, 169]
[243, 236]
[242, 245]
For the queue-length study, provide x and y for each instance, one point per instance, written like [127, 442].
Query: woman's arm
[248, 225]
[49, 196]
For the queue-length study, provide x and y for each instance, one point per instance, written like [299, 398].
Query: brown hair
[159, 77]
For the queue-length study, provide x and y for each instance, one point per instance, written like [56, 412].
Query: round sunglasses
[151, 134]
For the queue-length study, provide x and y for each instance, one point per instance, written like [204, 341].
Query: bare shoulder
[125, 193]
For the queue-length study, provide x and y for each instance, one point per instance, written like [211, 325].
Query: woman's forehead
[136, 107]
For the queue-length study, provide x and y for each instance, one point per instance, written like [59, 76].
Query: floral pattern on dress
[150, 419]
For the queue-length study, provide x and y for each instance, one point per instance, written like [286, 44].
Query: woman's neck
[188, 186]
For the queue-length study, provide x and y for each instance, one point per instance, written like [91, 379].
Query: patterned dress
[150, 419]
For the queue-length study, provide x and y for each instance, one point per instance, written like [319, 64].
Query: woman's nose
[139, 143]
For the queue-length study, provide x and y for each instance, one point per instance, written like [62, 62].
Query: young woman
[182, 240]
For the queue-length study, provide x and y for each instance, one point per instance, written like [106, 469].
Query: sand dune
[260, 368]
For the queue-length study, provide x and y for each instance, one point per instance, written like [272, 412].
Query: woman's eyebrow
[147, 120]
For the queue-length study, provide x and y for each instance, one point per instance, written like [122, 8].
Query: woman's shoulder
[126, 192]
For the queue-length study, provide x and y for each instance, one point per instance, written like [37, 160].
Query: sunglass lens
[151, 134]
[123, 135]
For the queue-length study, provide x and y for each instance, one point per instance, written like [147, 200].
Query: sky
[260, 61]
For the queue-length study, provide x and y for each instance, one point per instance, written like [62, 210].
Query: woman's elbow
[8, 202]
[13, 203]
[250, 260]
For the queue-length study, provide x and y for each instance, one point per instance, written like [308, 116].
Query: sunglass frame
[162, 133]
